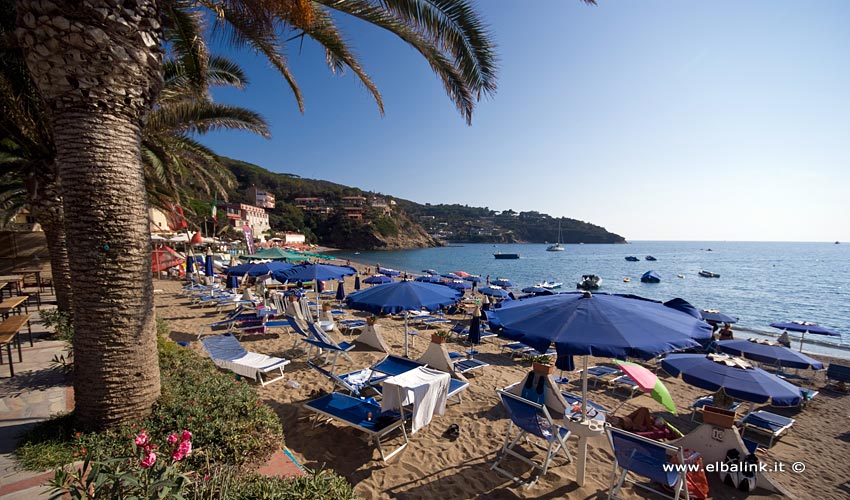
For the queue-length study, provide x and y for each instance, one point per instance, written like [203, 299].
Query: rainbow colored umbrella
[648, 382]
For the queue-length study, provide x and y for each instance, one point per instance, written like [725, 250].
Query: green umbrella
[648, 382]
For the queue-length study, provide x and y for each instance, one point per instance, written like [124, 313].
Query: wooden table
[12, 303]
[9, 332]
[36, 270]
[13, 278]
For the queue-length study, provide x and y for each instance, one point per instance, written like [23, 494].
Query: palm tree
[98, 67]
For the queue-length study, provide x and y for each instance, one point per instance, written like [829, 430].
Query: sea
[760, 282]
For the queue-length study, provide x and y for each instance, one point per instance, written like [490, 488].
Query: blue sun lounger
[395, 365]
[599, 372]
[646, 458]
[574, 399]
[698, 405]
[356, 413]
[767, 423]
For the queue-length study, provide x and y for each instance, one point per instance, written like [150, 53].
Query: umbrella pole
[802, 337]
[581, 464]
[406, 314]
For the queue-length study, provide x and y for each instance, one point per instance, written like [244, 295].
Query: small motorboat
[589, 282]
[650, 277]
[626, 279]
[501, 255]
[549, 284]
[650, 257]
[632, 258]
[708, 274]
[680, 276]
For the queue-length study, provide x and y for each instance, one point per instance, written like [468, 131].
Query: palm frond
[251, 23]
[225, 73]
[182, 28]
[454, 82]
[203, 116]
[338, 54]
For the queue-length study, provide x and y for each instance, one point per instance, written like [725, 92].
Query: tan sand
[434, 467]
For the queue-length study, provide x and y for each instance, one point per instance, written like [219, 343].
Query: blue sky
[657, 120]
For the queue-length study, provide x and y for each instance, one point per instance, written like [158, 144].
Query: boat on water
[680, 276]
[708, 274]
[650, 257]
[549, 284]
[626, 279]
[650, 277]
[632, 258]
[589, 282]
[557, 246]
[500, 255]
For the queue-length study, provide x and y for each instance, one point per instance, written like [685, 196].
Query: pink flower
[185, 436]
[149, 460]
[182, 450]
[172, 438]
[142, 438]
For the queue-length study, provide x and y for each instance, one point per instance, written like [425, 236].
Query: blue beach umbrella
[209, 269]
[430, 279]
[357, 282]
[377, 280]
[314, 272]
[737, 377]
[805, 327]
[503, 282]
[430, 271]
[389, 272]
[717, 317]
[493, 292]
[473, 278]
[258, 269]
[459, 285]
[769, 353]
[536, 290]
[340, 290]
[614, 326]
[403, 296]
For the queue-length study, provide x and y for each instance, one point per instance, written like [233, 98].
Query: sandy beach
[434, 466]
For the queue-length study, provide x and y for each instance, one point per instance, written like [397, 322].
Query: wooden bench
[9, 332]
[11, 303]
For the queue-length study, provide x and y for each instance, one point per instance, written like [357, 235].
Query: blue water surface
[760, 283]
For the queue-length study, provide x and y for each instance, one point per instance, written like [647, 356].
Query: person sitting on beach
[726, 332]
[784, 340]
[636, 421]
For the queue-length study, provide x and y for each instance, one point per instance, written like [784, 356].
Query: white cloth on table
[425, 388]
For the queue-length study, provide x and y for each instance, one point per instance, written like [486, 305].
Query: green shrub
[60, 321]
[230, 423]
[231, 484]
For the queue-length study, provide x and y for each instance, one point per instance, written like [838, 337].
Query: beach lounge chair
[601, 373]
[626, 384]
[459, 329]
[704, 401]
[533, 421]
[838, 378]
[464, 366]
[515, 349]
[227, 353]
[646, 458]
[351, 382]
[363, 415]
[767, 423]
[396, 365]
[324, 341]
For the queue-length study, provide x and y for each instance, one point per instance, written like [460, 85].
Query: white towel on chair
[423, 387]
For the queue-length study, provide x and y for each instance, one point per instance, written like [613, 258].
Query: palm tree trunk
[98, 66]
[46, 204]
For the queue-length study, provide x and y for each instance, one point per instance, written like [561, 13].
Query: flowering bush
[142, 475]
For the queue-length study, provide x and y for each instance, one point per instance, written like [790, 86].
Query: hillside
[324, 210]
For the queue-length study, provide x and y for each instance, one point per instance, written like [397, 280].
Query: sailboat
[557, 246]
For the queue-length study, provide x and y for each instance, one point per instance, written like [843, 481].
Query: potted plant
[371, 319]
[440, 336]
[542, 364]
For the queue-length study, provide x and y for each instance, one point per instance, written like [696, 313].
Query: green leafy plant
[542, 359]
[60, 322]
[233, 484]
[443, 334]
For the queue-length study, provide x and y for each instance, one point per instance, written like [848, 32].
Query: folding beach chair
[227, 353]
[325, 342]
[767, 423]
[362, 415]
[646, 458]
[515, 349]
[533, 421]
[626, 384]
